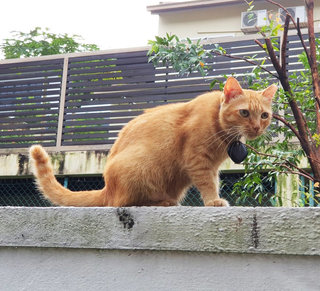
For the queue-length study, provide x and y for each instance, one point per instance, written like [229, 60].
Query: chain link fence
[23, 192]
[193, 197]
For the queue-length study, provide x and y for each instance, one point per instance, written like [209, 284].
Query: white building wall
[218, 21]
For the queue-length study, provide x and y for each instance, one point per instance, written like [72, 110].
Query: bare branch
[285, 9]
[313, 59]
[259, 44]
[302, 41]
[297, 27]
[303, 129]
[273, 58]
[263, 48]
[297, 173]
[313, 159]
[289, 125]
[284, 43]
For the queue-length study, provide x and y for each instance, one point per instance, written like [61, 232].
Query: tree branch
[297, 173]
[302, 40]
[284, 44]
[297, 27]
[289, 125]
[313, 59]
[244, 59]
[298, 116]
[273, 58]
[263, 48]
[300, 171]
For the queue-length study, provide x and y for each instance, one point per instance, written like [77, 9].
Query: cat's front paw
[218, 203]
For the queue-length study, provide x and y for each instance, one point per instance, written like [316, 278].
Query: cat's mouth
[252, 135]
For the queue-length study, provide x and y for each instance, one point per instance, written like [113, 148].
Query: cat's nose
[256, 128]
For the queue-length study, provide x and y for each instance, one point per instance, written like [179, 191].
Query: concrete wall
[64, 163]
[68, 163]
[76, 269]
[157, 248]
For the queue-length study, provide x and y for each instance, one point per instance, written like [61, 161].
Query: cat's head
[245, 112]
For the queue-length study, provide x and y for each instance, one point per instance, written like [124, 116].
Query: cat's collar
[237, 151]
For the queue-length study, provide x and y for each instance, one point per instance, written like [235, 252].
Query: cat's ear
[270, 92]
[232, 89]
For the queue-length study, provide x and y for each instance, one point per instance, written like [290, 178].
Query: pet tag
[237, 151]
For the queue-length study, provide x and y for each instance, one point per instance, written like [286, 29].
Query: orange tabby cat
[159, 154]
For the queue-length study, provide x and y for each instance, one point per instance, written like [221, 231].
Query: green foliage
[303, 57]
[272, 29]
[184, 56]
[317, 139]
[41, 42]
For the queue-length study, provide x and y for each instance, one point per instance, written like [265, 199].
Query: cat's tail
[53, 190]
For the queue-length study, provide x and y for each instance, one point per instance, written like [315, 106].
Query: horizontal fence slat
[34, 62]
[21, 144]
[122, 81]
[32, 88]
[114, 94]
[112, 63]
[27, 100]
[27, 125]
[44, 131]
[31, 82]
[29, 113]
[14, 71]
[108, 56]
[28, 138]
[37, 119]
[103, 115]
[93, 129]
[88, 136]
[117, 107]
[108, 68]
[28, 107]
[73, 123]
[32, 94]
[32, 76]
[89, 142]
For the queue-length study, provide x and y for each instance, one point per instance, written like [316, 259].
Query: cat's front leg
[208, 185]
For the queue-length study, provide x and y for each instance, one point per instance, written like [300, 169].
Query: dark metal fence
[81, 100]
[85, 99]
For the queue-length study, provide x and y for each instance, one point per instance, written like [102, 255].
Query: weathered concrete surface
[64, 163]
[294, 231]
[69, 163]
[52, 269]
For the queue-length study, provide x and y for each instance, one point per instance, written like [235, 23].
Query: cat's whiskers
[233, 134]
[212, 138]
[222, 135]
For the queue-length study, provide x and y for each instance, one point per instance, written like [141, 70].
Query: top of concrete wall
[293, 231]
[70, 163]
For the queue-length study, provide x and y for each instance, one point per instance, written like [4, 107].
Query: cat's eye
[244, 113]
[264, 115]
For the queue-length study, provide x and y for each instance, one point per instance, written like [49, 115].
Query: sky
[109, 24]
